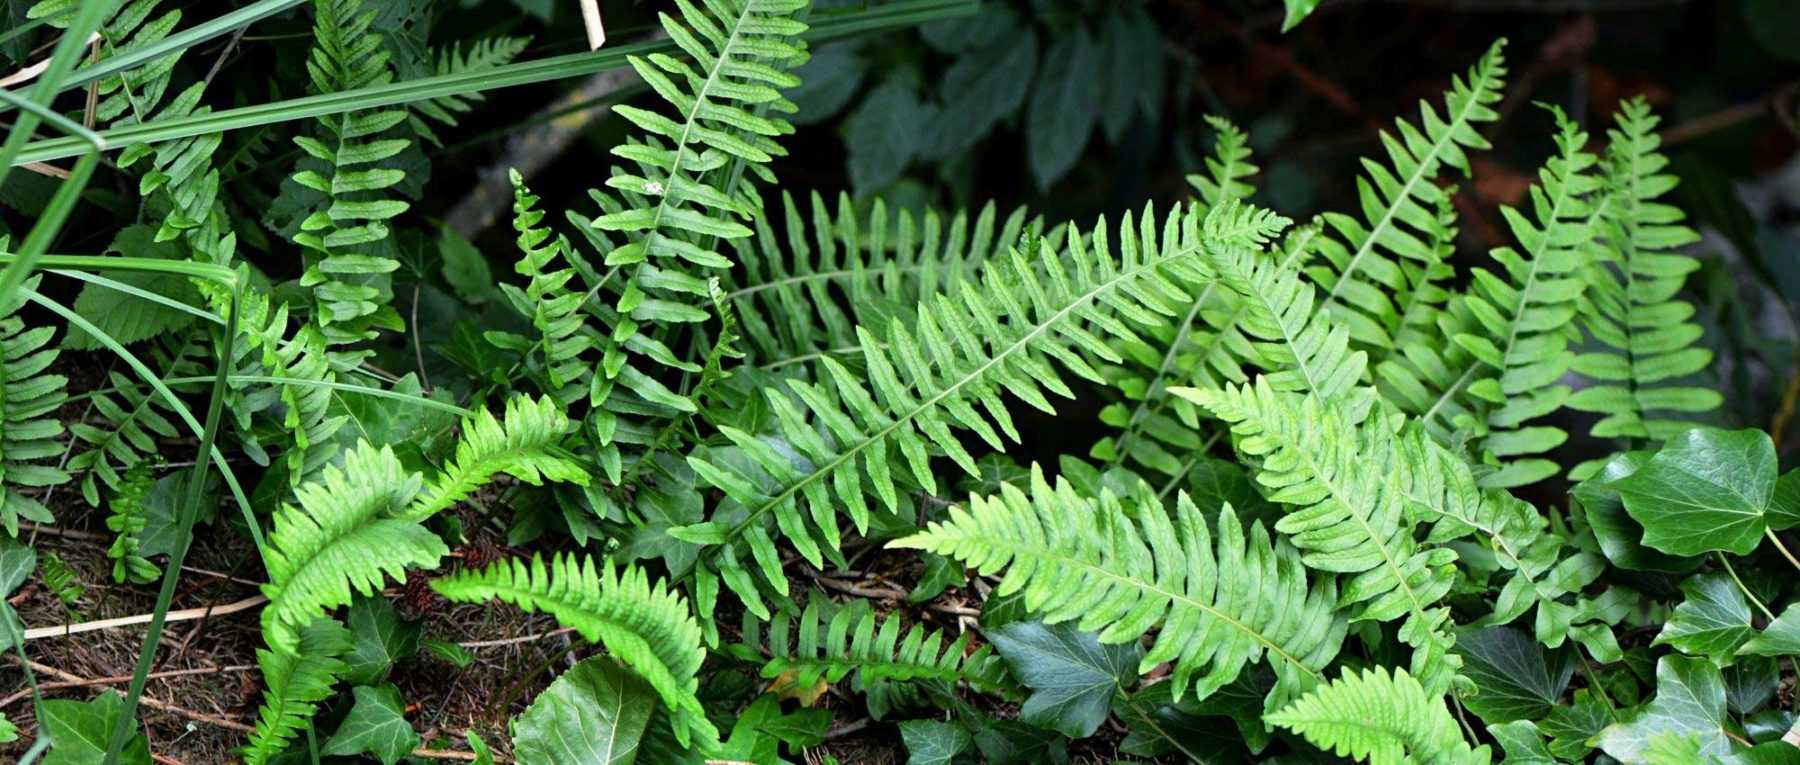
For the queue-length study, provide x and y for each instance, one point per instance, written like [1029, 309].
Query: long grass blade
[48, 225]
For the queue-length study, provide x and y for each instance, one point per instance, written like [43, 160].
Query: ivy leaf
[1523, 743]
[1064, 105]
[1572, 726]
[1708, 489]
[1615, 530]
[1010, 742]
[381, 639]
[16, 564]
[1713, 622]
[1780, 638]
[1784, 507]
[1190, 726]
[1750, 683]
[984, 86]
[1517, 679]
[929, 742]
[1072, 676]
[376, 725]
[762, 728]
[1690, 700]
[828, 80]
[80, 730]
[595, 714]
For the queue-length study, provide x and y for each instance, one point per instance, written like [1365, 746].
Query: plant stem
[1746, 590]
[1770, 533]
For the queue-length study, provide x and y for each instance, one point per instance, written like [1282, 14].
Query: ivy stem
[1746, 590]
[1770, 533]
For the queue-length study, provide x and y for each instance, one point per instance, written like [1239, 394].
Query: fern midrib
[1023, 342]
[1630, 226]
[1018, 550]
[1431, 160]
[820, 276]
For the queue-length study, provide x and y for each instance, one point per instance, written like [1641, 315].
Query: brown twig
[185, 614]
[516, 640]
[117, 679]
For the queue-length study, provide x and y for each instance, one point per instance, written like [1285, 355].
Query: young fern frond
[296, 682]
[1381, 718]
[943, 370]
[27, 395]
[1123, 567]
[813, 649]
[526, 442]
[343, 537]
[1427, 295]
[1300, 348]
[880, 266]
[1338, 465]
[125, 519]
[1648, 334]
[125, 422]
[1361, 267]
[348, 270]
[552, 306]
[1513, 328]
[643, 624]
[1227, 166]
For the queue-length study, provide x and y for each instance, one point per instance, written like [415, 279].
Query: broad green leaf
[376, 725]
[983, 87]
[1517, 679]
[382, 638]
[1690, 700]
[1708, 489]
[1064, 102]
[1571, 726]
[1523, 743]
[1297, 11]
[760, 731]
[1780, 638]
[828, 81]
[8, 731]
[1192, 726]
[1784, 507]
[884, 134]
[929, 742]
[1617, 532]
[80, 730]
[1713, 622]
[593, 715]
[1010, 742]
[16, 564]
[1750, 683]
[1072, 676]
[126, 317]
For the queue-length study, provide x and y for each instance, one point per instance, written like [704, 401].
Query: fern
[126, 521]
[525, 443]
[1299, 347]
[960, 352]
[342, 537]
[646, 626]
[812, 650]
[348, 271]
[1340, 468]
[27, 395]
[1383, 718]
[297, 681]
[553, 307]
[481, 56]
[126, 421]
[1227, 167]
[1647, 333]
[1122, 567]
[1361, 269]
[61, 579]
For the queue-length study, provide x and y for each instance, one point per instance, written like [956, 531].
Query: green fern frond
[1298, 347]
[1123, 567]
[547, 299]
[943, 370]
[879, 266]
[296, 682]
[1339, 467]
[1382, 718]
[1427, 293]
[644, 625]
[27, 395]
[125, 519]
[348, 272]
[343, 537]
[1631, 307]
[1227, 166]
[814, 649]
[481, 56]
[124, 424]
[1361, 267]
[525, 443]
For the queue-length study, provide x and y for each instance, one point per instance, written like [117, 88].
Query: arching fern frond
[645, 625]
[480, 56]
[1382, 718]
[525, 443]
[1299, 347]
[1122, 567]
[26, 396]
[1338, 466]
[296, 682]
[1361, 260]
[947, 368]
[1632, 308]
[813, 649]
[343, 537]
[1227, 166]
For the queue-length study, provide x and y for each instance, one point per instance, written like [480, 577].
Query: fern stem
[184, 536]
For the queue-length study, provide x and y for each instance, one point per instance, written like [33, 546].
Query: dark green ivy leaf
[1713, 622]
[1616, 531]
[1064, 105]
[382, 638]
[1517, 678]
[80, 730]
[885, 133]
[1523, 743]
[930, 742]
[1072, 676]
[1010, 742]
[1690, 701]
[376, 725]
[1780, 638]
[1708, 489]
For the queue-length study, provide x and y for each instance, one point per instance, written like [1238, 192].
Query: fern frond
[644, 625]
[525, 443]
[961, 352]
[547, 299]
[793, 297]
[348, 271]
[481, 56]
[1361, 260]
[1631, 307]
[1383, 718]
[123, 426]
[27, 395]
[1122, 567]
[1299, 348]
[296, 682]
[1227, 166]
[125, 519]
[343, 537]
[1339, 467]
[813, 649]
